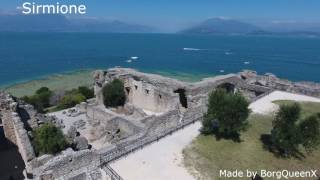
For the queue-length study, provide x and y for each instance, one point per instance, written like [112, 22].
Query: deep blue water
[25, 56]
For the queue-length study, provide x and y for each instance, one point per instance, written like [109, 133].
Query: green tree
[48, 139]
[88, 93]
[310, 132]
[290, 131]
[284, 133]
[42, 90]
[40, 100]
[114, 94]
[227, 114]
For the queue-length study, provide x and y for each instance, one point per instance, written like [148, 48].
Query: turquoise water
[25, 56]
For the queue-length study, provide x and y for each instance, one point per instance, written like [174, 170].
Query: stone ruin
[155, 107]
[273, 82]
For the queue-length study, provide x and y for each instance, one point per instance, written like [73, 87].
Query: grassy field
[308, 108]
[205, 156]
[65, 81]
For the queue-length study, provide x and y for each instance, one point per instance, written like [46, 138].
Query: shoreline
[81, 77]
[42, 77]
[57, 81]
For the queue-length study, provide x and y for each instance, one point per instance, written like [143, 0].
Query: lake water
[25, 56]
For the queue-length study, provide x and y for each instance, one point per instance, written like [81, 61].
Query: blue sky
[184, 12]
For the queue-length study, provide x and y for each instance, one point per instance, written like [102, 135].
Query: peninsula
[152, 108]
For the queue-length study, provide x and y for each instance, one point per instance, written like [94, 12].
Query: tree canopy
[114, 94]
[45, 98]
[227, 114]
[40, 100]
[48, 139]
[291, 131]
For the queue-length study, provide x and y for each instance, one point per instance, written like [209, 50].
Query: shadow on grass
[269, 146]
[235, 137]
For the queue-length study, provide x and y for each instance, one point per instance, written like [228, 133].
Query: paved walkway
[265, 105]
[159, 161]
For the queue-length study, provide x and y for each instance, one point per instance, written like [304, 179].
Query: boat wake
[192, 49]
[132, 59]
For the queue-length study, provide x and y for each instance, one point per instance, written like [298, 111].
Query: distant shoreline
[81, 77]
[57, 81]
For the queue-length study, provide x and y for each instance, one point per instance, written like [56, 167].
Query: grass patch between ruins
[205, 156]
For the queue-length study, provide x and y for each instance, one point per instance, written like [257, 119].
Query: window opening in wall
[182, 97]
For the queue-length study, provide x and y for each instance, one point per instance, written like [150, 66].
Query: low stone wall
[68, 164]
[165, 121]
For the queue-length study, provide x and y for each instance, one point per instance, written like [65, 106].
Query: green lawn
[308, 108]
[207, 156]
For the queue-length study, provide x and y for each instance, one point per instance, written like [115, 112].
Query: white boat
[134, 57]
[246, 62]
[129, 61]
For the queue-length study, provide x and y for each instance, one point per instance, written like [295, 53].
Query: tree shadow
[279, 153]
[235, 137]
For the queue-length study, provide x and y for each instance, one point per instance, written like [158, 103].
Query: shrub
[227, 114]
[310, 132]
[44, 98]
[48, 139]
[70, 100]
[86, 92]
[114, 94]
[40, 100]
[42, 90]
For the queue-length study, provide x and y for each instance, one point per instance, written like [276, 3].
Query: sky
[185, 12]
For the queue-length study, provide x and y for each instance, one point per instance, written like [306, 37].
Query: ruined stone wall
[8, 127]
[68, 164]
[271, 81]
[164, 125]
[14, 128]
[7, 106]
[163, 122]
[23, 141]
[104, 121]
[146, 96]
